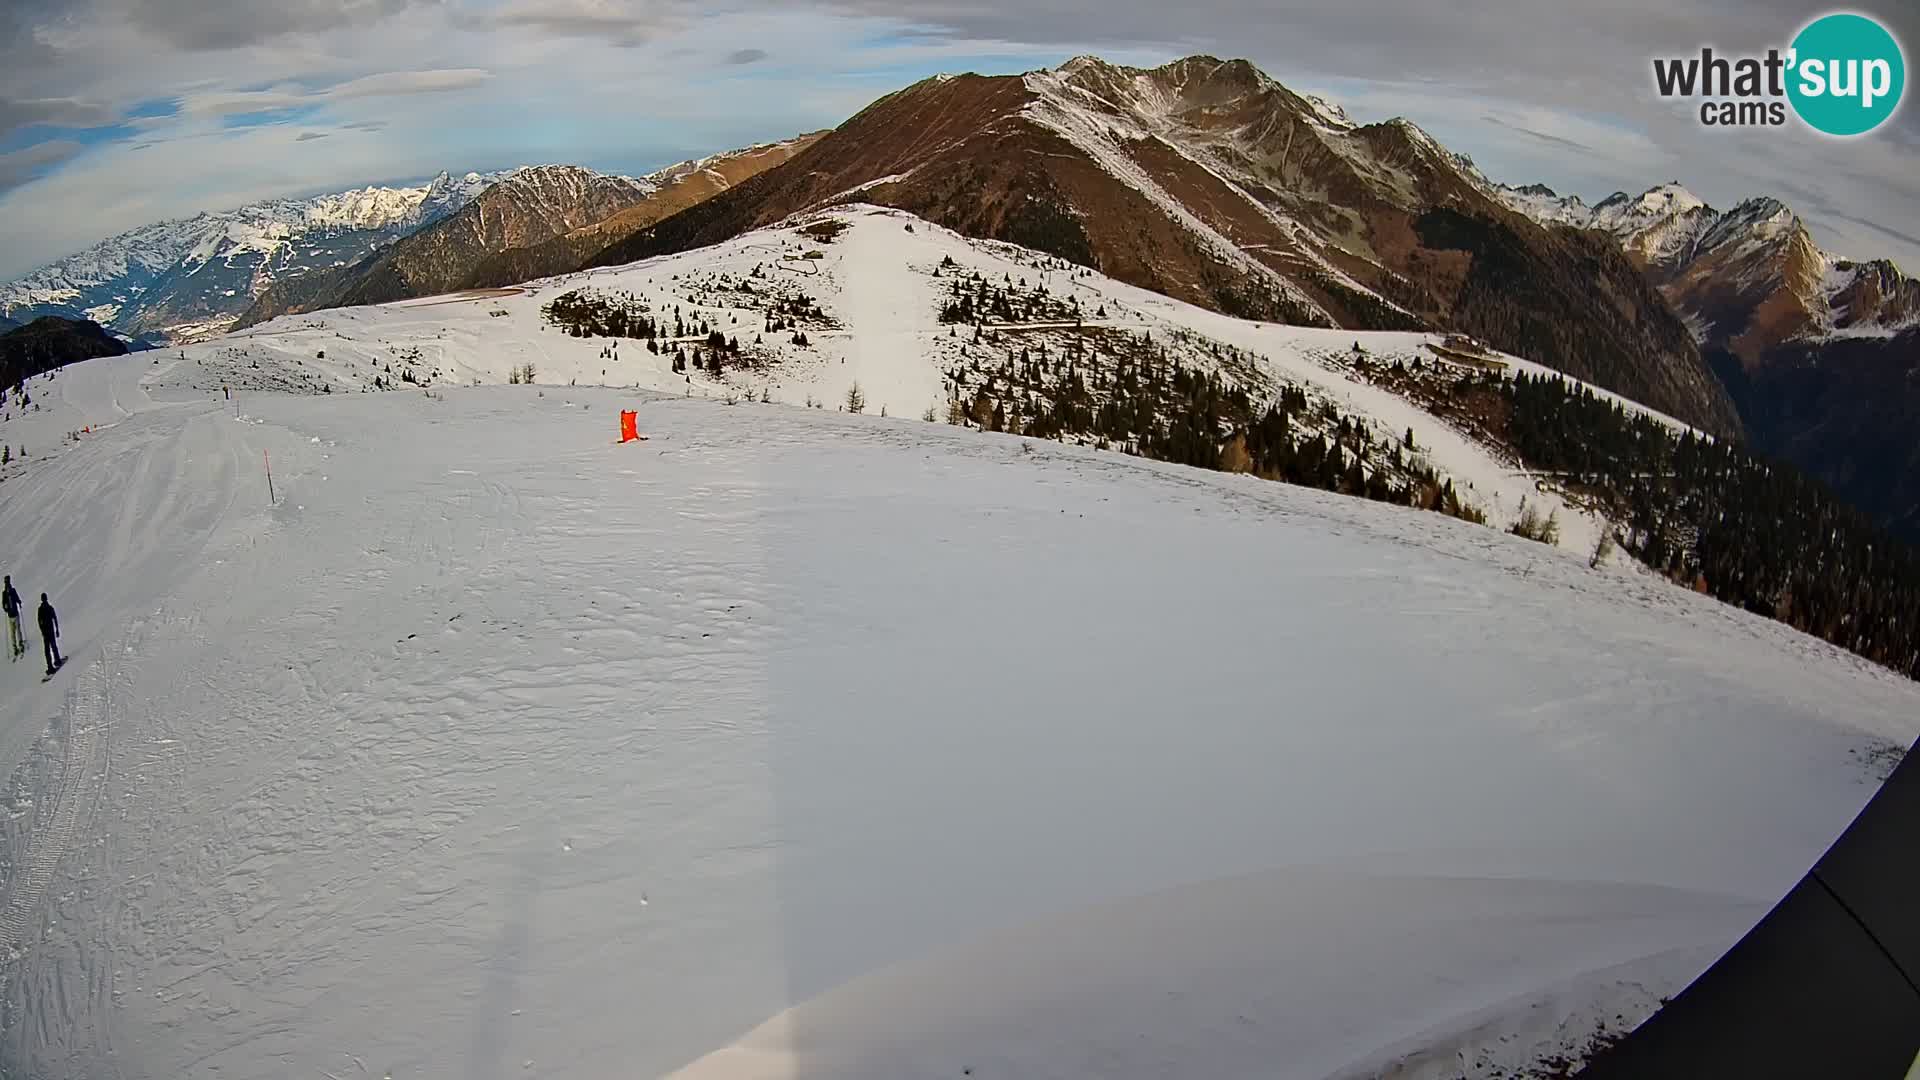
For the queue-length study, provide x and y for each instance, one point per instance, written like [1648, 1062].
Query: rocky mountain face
[190, 278]
[680, 186]
[1820, 353]
[1747, 279]
[1208, 181]
[49, 342]
[524, 208]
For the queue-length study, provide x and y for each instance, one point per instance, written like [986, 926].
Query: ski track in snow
[72, 794]
[795, 744]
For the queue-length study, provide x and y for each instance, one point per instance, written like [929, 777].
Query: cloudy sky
[116, 113]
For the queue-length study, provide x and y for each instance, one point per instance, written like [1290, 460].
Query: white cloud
[225, 104]
[625, 22]
[18, 166]
[63, 112]
[383, 84]
[390, 83]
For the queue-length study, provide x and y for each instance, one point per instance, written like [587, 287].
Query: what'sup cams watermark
[1843, 74]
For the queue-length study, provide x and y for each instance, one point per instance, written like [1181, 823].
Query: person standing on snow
[49, 631]
[10, 601]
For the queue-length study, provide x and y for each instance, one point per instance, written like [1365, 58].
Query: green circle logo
[1847, 74]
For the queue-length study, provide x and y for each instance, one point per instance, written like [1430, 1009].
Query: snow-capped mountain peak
[1543, 204]
[1659, 228]
[1083, 62]
[1620, 214]
[1327, 112]
[1763, 216]
[1668, 198]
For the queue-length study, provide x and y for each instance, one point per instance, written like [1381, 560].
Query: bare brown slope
[681, 188]
[526, 208]
[1209, 182]
[959, 152]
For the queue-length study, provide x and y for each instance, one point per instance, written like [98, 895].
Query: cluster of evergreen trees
[721, 352]
[1529, 293]
[1133, 394]
[976, 301]
[585, 313]
[1749, 531]
[790, 313]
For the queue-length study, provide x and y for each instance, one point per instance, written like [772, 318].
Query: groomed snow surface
[789, 743]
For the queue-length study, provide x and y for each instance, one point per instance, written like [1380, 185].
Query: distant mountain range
[190, 278]
[1746, 279]
[198, 277]
[533, 222]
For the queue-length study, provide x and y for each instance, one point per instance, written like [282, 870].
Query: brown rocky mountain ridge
[681, 186]
[1748, 279]
[524, 209]
[1212, 183]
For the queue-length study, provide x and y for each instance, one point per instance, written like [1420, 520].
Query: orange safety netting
[629, 425]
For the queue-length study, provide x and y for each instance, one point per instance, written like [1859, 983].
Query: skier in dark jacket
[49, 631]
[10, 602]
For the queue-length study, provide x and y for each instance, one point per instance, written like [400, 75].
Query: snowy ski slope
[792, 743]
[882, 283]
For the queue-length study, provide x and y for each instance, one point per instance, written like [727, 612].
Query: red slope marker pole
[269, 461]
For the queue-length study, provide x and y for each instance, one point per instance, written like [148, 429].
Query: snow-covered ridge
[1543, 204]
[1666, 224]
[1662, 226]
[1619, 213]
[881, 284]
[1329, 113]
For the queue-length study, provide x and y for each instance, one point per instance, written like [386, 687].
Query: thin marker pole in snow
[269, 461]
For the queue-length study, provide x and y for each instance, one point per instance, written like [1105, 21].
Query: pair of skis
[48, 677]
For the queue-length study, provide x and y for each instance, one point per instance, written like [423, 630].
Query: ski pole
[269, 462]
